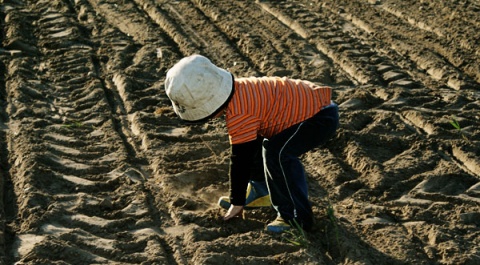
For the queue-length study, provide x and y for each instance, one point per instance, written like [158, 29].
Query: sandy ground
[95, 168]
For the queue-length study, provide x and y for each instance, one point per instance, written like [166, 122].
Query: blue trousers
[284, 172]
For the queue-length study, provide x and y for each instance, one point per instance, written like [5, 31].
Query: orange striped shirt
[266, 106]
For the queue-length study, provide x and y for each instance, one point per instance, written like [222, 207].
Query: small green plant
[75, 124]
[333, 220]
[296, 235]
[457, 126]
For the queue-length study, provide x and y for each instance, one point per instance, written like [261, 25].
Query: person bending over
[271, 121]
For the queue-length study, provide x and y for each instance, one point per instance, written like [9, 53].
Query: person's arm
[240, 167]
[241, 161]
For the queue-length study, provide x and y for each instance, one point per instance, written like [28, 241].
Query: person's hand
[234, 211]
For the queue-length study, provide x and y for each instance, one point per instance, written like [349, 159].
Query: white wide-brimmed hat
[197, 88]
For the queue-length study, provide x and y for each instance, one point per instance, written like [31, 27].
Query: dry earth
[97, 169]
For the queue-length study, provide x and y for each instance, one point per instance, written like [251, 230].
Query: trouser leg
[284, 171]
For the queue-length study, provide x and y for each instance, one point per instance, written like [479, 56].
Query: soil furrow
[442, 22]
[435, 57]
[176, 33]
[202, 30]
[344, 41]
[70, 170]
[249, 36]
[127, 22]
[131, 82]
[304, 60]
[467, 157]
[65, 165]
[327, 38]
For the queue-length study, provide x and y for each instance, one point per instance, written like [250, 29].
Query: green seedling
[457, 126]
[296, 235]
[77, 125]
[333, 220]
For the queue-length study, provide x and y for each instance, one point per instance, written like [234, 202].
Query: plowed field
[95, 168]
